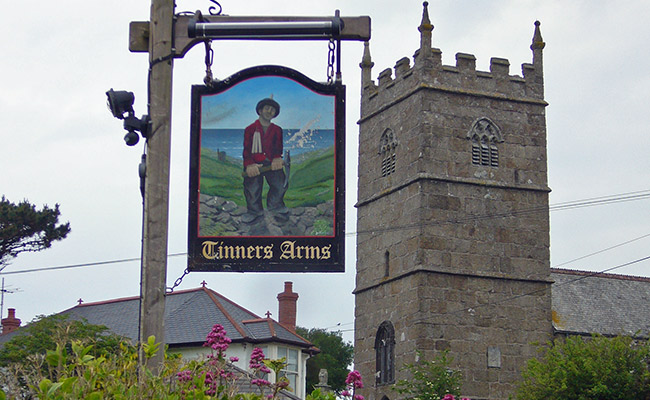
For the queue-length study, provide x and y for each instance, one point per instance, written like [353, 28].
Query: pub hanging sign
[267, 176]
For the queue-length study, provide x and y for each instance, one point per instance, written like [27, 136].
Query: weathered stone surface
[467, 244]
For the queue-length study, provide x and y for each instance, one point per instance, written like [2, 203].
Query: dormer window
[484, 136]
[387, 145]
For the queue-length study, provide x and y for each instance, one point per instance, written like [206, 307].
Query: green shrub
[69, 370]
[593, 368]
[430, 380]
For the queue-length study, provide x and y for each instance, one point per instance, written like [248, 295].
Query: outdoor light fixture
[121, 105]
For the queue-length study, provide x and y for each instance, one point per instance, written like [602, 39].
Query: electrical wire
[590, 202]
[533, 292]
[508, 299]
[601, 251]
[24, 271]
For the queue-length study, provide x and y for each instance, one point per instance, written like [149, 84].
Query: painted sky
[59, 143]
[299, 106]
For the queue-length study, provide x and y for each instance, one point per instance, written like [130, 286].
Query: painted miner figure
[263, 160]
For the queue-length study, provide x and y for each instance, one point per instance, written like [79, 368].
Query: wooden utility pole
[165, 37]
[156, 194]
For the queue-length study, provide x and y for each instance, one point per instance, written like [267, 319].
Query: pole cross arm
[190, 30]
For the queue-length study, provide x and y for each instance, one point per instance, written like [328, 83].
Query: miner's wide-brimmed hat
[269, 102]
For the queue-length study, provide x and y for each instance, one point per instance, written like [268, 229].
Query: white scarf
[257, 143]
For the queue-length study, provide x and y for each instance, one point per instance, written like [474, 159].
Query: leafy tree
[335, 356]
[430, 380]
[585, 369]
[44, 333]
[23, 228]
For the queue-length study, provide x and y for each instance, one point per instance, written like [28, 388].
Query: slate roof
[189, 317]
[608, 304]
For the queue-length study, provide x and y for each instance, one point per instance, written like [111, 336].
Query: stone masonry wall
[451, 249]
[433, 312]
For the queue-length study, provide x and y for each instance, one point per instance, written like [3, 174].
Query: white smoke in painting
[304, 137]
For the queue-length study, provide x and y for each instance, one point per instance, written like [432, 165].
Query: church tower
[453, 225]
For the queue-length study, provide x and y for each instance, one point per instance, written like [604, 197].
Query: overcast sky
[60, 144]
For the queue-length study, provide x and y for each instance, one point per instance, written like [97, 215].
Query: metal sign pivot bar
[252, 28]
[267, 30]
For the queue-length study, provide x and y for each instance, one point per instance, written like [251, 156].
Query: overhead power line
[590, 202]
[532, 292]
[602, 251]
[24, 271]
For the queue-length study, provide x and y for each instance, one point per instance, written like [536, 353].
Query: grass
[311, 181]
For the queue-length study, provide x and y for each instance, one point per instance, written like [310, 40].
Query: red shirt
[271, 143]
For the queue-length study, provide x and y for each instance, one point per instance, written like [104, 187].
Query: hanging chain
[209, 59]
[178, 281]
[330, 61]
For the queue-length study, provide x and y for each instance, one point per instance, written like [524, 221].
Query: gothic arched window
[385, 353]
[485, 135]
[387, 145]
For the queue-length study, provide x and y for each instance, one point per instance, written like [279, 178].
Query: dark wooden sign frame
[301, 227]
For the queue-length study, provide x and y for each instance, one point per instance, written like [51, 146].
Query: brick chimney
[11, 323]
[287, 301]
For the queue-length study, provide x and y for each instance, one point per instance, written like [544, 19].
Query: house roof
[607, 304]
[189, 317]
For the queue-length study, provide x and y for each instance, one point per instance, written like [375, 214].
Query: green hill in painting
[311, 181]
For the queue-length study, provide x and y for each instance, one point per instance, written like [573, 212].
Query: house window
[385, 353]
[387, 145]
[291, 370]
[484, 136]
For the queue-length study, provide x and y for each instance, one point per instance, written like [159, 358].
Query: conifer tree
[23, 228]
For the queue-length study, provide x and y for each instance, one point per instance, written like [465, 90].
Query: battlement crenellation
[428, 72]
[431, 73]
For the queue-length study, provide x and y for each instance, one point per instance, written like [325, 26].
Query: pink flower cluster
[354, 379]
[353, 382]
[217, 339]
[184, 376]
[256, 362]
[215, 376]
[211, 382]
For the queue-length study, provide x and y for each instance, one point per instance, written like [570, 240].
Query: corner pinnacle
[425, 29]
[538, 42]
[366, 60]
[425, 25]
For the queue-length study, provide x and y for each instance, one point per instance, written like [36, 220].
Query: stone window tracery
[385, 353]
[387, 145]
[484, 136]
